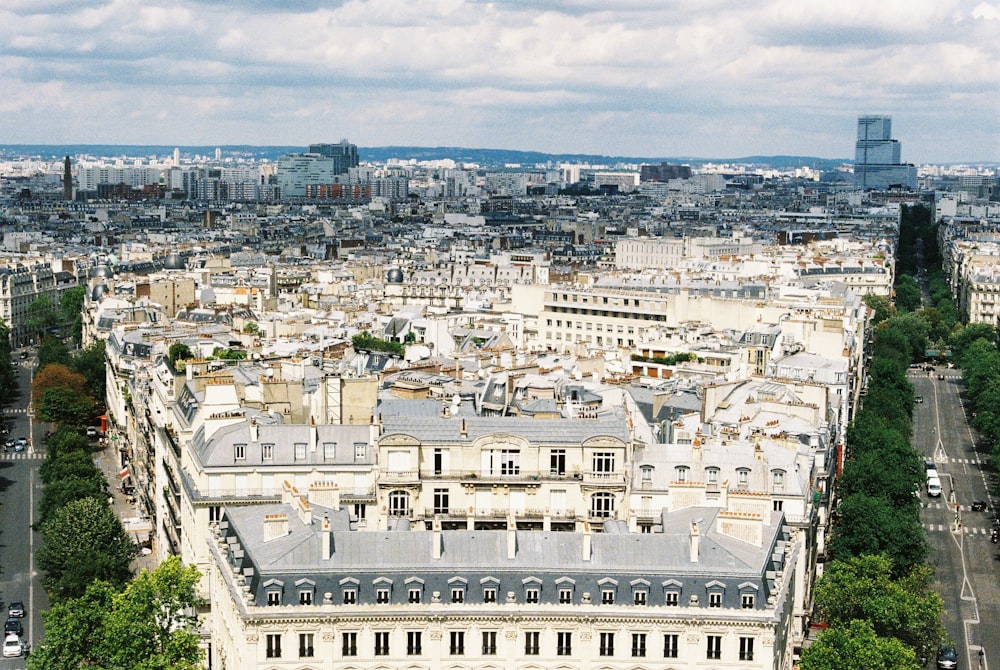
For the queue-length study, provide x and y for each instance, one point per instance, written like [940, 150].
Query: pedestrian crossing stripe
[945, 527]
[22, 456]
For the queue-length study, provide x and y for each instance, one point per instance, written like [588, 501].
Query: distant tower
[177, 157]
[67, 180]
[218, 154]
[877, 156]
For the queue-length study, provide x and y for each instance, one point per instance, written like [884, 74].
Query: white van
[933, 487]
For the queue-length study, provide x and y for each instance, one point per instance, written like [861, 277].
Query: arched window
[399, 503]
[682, 473]
[602, 505]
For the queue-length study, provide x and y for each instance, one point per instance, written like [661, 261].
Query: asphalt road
[966, 561]
[20, 489]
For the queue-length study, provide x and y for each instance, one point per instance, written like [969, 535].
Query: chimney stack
[275, 525]
[511, 538]
[695, 536]
[436, 539]
[325, 538]
[587, 540]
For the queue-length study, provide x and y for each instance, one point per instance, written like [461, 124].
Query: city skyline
[649, 78]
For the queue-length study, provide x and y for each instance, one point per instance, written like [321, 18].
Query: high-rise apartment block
[344, 154]
[877, 156]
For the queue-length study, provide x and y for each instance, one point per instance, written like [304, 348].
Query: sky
[646, 78]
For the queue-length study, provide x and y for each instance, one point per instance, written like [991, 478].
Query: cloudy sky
[708, 78]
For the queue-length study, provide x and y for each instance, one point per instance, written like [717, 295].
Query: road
[965, 559]
[20, 488]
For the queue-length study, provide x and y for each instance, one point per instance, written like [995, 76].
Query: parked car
[21, 444]
[919, 398]
[12, 646]
[947, 658]
[15, 608]
[13, 625]
[91, 431]
[9, 443]
[933, 487]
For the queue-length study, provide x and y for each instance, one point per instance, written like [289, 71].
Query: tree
[857, 646]
[891, 476]
[53, 350]
[873, 525]
[59, 492]
[41, 316]
[66, 406]
[152, 625]
[908, 296]
[66, 440]
[179, 351]
[91, 363]
[71, 310]
[145, 626]
[863, 588]
[73, 629]
[57, 375]
[966, 335]
[880, 305]
[8, 373]
[83, 540]
[64, 465]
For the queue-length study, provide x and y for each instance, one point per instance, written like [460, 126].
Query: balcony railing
[495, 513]
[522, 476]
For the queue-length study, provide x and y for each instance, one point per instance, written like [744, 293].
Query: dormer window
[306, 588]
[329, 451]
[712, 476]
[240, 452]
[682, 473]
[743, 477]
[778, 479]
[646, 474]
[267, 452]
[300, 451]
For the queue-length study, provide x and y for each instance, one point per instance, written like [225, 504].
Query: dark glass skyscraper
[876, 156]
[344, 154]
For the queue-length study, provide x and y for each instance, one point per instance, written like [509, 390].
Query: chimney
[464, 429]
[587, 539]
[695, 536]
[511, 538]
[275, 525]
[325, 538]
[254, 435]
[436, 539]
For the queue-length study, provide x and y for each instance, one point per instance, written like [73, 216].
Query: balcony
[594, 478]
[400, 477]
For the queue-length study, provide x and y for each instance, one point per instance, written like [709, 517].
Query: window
[646, 474]
[300, 451]
[638, 597]
[531, 594]
[746, 601]
[743, 477]
[778, 505]
[510, 461]
[267, 452]
[350, 596]
[274, 645]
[349, 646]
[382, 643]
[413, 647]
[360, 510]
[778, 479]
[457, 646]
[382, 596]
[564, 643]
[240, 452]
[565, 596]
[604, 461]
[274, 597]
[682, 473]
[329, 451]
[360, 451]
[490, 594]
[602, 505]
[305, 645]
[715, 599]
[557, 462]
[306, 597]
[712, 476]
[438, 461]
[746, 648]
[672, 598]
[607, 596]
[489, 643]
[670, 641]
[638, 644]
[714, 649]
[441, 501]
[531, 643]
[214, 513]
[399, 503]
[607, 647]
[413, 595]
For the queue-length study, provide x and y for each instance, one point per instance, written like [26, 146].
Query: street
[965, 559]
[20, 489]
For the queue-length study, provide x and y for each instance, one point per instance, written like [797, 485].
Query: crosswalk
[949, 506]
[946, 528]
[21, 456]
[15, 410]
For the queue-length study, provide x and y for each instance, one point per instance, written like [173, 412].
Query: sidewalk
[108, 460]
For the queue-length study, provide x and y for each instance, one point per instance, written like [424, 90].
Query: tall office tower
[177, 157]
[344, 154]
[67, 180]
[218, 154]
[877, 156]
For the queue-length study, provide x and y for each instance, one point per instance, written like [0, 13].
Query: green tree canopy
[73, 630]
[966, 335]
[66, 406]
[90, 362]
[8, 372]
[908, 296]
[858, 647]
[71, 311]
[873, 525]
[53, 350]
[41, 316]
[881, 306]
[863, 588]
[83, 541]
[179, 351]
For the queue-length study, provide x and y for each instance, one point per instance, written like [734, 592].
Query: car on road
[21, 444]
[13, 625]
[979, 505]
[15, 608]
[12, 646]
[24, 355]
[919, 398]
[91, 431]
[947, 658]
[9, 443]
[933, 487]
